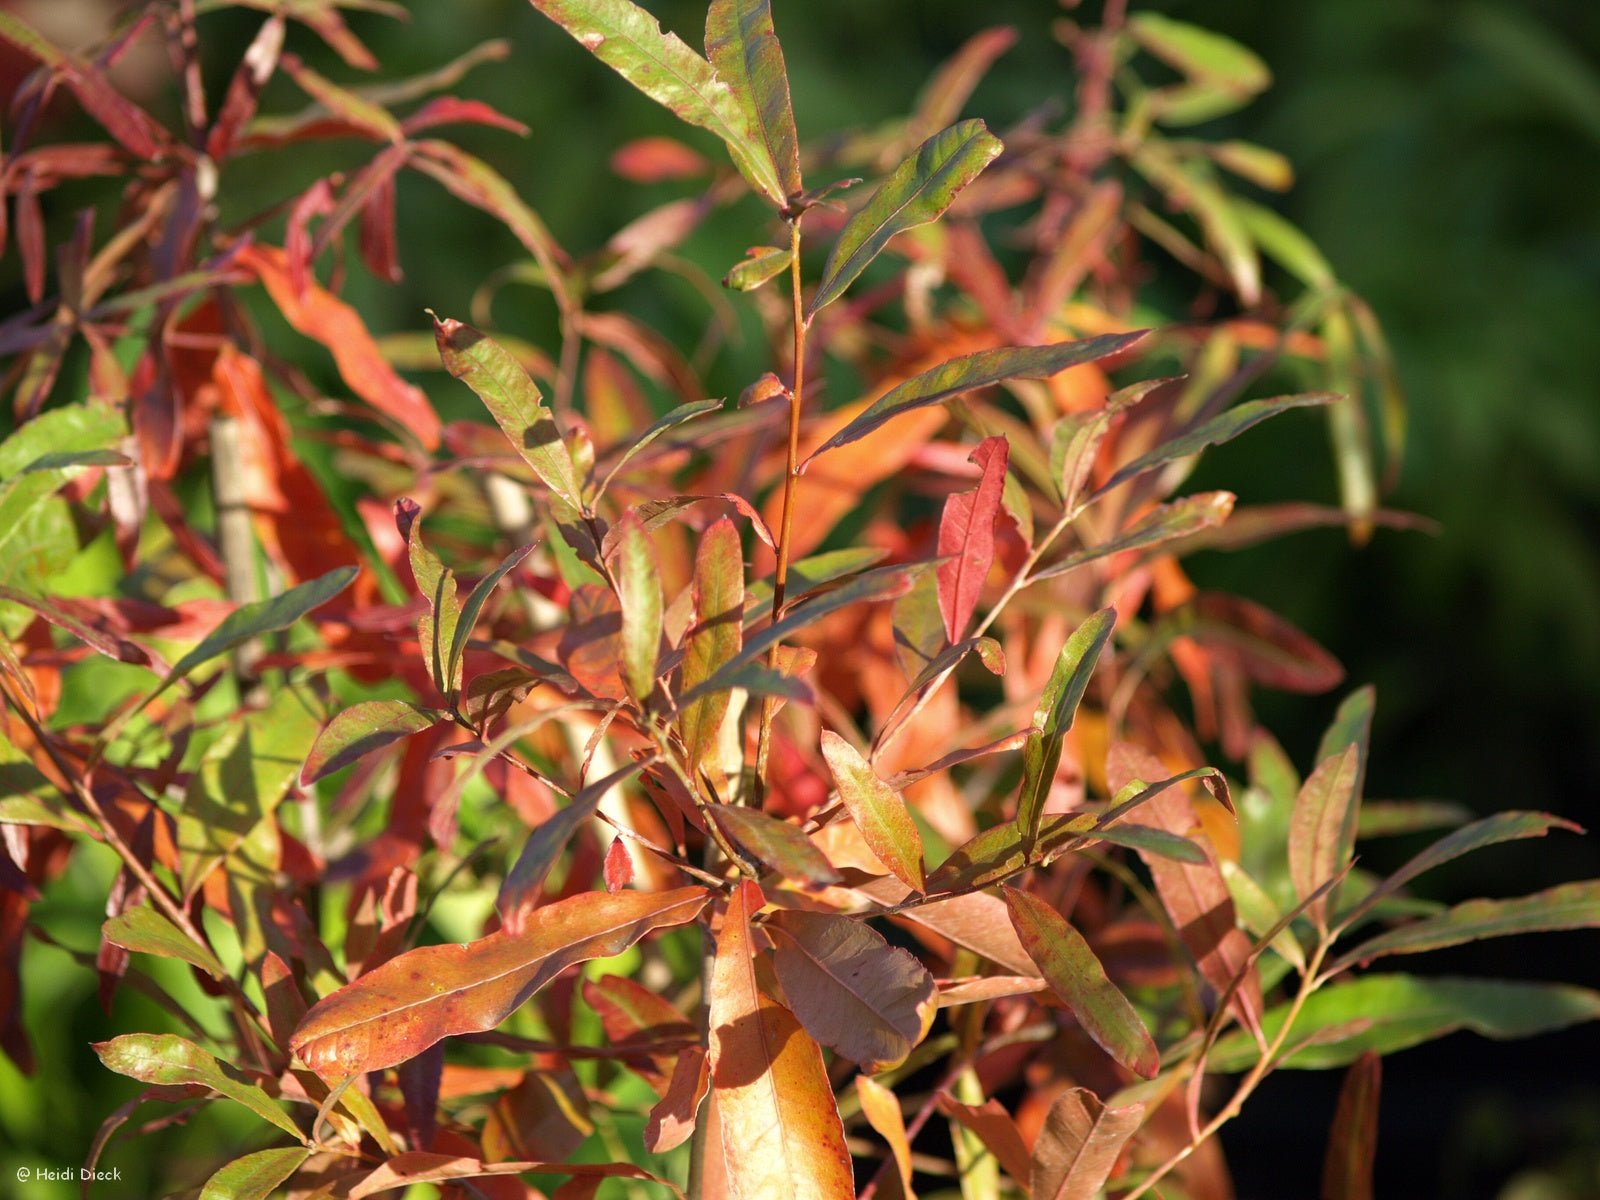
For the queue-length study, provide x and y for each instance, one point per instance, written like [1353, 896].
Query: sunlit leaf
[715, 638]
[669, 420]
[982, 369]
[261, 617]
[881, 1107]
[473, 605]
[639, 590]
[1317, 847]
[878, 810]
[629, 40]
[168, 1059]
[513, 400]
[1073, 972]
[966, 538]
[360, 730]
[776, 844]
[916, 192]
[1386, 1013]
[418, 998]
[145, 930]
[254, 1176]
[781, 1134]
[1052, 719]
[760, 264]
[1353, 1141]
[1161, 524]
[849, 988]
[745, 54]
[1079, 1145]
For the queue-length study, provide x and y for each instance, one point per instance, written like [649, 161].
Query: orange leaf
[781, 1133]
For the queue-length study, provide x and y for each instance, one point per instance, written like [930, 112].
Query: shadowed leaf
[1079, 1144]
[1069, 678]
[851, 990]
[996, 1130]
[145, 930]
[966, 538]
[776, 844]
[1317, 849]
[410, 1002]
[1077, 978]
[1260, 644]
[474, 605]
[916, 192]
[262, 617]
[982, 369]
[1162, 524]
[1353, 1141]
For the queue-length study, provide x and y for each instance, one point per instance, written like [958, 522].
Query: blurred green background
[1447, 158]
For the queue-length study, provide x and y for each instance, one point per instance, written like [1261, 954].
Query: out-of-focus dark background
[1448, 160]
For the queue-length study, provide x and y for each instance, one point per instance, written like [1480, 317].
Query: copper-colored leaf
[1259, 643]
[639, 592]
[996, 1130]
[1317, 849]
[1079, 1145]
[1353, 1141]
[851, 989]
[672, 1120]
[781, 1133]
[1078, 979]
[882, 1109]
[878, 810]
[431, 993]
[966, 538]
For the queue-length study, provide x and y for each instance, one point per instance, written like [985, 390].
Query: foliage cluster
[783, 795]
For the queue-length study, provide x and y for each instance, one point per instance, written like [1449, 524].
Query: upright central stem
[780, 578]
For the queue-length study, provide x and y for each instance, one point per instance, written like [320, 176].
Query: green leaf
[982, 369]
[668, 420]
[513, 400]
[715, 639]
[1567, 906]
[254, 1176]
[1222, 428]
[629, 40]
[744, 52]
[639, 592]
[418, 998]
[1386, 1013]
[810, 575]
[474, 605]
[547, 841]
[72, 430]
[1076, 439]
[1394, 818]
[1220, 75]
[1053, 717]
[916, 192]
[1317, 848]
[776, 844]
[436, 628]
[1149, 840]
[1285, 245]
[169, 1059]
[361, 729]
[1161, 524]
[1500, 827]
[760, 264]
[878, 810]
[145, 930]
[1073, 972]
[261, 617]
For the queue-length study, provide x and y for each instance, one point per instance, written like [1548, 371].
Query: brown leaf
[672, 1120]
[1079, 1145]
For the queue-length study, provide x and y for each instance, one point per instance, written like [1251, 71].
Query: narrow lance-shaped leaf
[916, 192]
[881, 1107]
[1567, 906]
[145, 930]
[1079, 1145]
[996, 1130]
[513, 400]
[254, 1176]
[1164, 523]
[1352, 726]
[474, 605]
[715, 639]
[639, 591]
[668, 420]
[1053, 718]
[966, 538]
[986, 367]
[545, 844]
[1353, 1141]
[878, 810]
[1073, 972]
[851, 989]
[781, 1133]
[1316, 848]
[1258, 642]
[410, 1002]
[360, 730]
[672, 1121]
[169, 1059]
[1219, 429]
[1500, 827]
[1386, 1013]
[436, 628]
[629, 40]
[776, 844]
[744, 51]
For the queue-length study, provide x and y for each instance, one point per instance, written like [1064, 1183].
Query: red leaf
[327, 319]
[446, 110]
[1353, 1141]
[656, 160]
[619, 866]
[966, 537]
